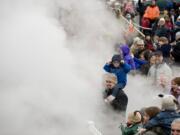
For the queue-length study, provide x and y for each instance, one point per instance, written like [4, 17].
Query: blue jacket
[139, 63]
[163, 120]
[120, 72]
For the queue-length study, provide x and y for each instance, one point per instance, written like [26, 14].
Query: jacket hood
[125, 50]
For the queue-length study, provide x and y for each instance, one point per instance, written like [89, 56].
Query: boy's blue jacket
[120, 72]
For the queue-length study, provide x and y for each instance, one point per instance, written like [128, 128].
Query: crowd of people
[152, 55]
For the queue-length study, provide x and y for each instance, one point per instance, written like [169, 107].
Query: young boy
[119, 68]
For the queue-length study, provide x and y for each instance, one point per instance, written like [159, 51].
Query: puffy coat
[120, 72]
[163, 120]
[127, 56]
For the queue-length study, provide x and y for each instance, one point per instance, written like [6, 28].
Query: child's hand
[110, 98]
[122, 62]
[141, 130]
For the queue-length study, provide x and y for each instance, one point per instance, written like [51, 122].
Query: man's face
[109, 84]
[159, 59]
[175, 129]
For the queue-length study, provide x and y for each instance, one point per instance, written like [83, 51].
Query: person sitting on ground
[165, 117]
[145, 68]
[148, 43]
[160, 73]
[148, 114]
[165, 48]
[175, 127]
[127, 56]
[119, 68]
[139, 48]
[141, 59]
[133, 47]
[134, 121]
[175, 88]
[114, 95]
[161, 30]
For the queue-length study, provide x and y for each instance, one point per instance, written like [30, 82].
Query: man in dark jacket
[164, 119]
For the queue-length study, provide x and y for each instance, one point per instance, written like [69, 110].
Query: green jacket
[129, 130]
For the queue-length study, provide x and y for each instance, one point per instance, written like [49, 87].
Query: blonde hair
[110, 77]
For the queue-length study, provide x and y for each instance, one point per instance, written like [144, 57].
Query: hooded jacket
[120, 72]
[127, 56]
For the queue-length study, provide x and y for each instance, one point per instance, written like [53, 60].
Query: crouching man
[113, 94]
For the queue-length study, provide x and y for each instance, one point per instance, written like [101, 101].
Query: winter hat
[178, 35]
[134, 117]
[116, 57]
[164, 40]
[169, 102]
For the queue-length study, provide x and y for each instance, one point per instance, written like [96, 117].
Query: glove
[122, 62]
[110, 98]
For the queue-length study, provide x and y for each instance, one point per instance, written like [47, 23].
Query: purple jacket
[127, 56]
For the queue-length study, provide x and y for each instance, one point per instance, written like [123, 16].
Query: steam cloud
[51, 55]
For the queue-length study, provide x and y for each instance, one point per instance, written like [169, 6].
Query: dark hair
[152, 111]
[176, 80]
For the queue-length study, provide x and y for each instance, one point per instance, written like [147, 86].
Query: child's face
[109, 84]
[116, 64]
[175, 87]
[159, 59]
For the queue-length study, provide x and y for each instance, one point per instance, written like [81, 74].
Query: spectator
[175, 88]
[145, 68]
[161, 30]
[165, 48]
[114, 95]
[127, 56]
[152, 12]
[133, 123]
[175, 127]
[165, 117]
[160, 73]
[119, 68]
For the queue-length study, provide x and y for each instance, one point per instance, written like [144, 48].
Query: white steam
[51, 54]
[51, 66]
